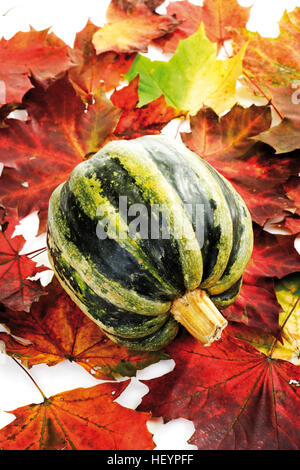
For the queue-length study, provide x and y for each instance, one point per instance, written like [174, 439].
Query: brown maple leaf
[82, 419]
[55, 330]
[273, 255]
[285, 136]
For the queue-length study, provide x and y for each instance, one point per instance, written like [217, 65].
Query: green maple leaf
[193, 77]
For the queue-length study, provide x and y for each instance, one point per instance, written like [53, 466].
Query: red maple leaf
[92, 69]
[31, 54]
[16, 291]
[293, 193]
[55, 330]
[274, 256]
[135, 122]
[237, 397]
[83, 419]
[221, 15]
[189, 17]
[256, 173]
[218, 16]
[42, 151]
[131, 30]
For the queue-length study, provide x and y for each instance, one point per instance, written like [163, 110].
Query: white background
[16, 389]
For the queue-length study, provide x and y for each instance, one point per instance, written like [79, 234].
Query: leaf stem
[253, 82]
[270, 102]
[37, 252]
[31, 378]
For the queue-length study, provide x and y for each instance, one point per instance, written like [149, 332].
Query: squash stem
[198, 314]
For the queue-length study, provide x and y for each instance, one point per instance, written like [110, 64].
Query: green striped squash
[133, 274]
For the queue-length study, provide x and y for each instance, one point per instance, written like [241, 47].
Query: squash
[126, 245]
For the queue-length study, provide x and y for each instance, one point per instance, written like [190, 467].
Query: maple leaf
[92, 69]
[288, 294]
[129, 5]
[291, 223]
[34, 53]
[189, 17]
[292, 190]
[191, 78]
[42, 152]
[257, 305]
[273, 61]
[83, 419]
[273, 255]
[284, 137]
[218, 16]
[252, 169]
[55, 330]
[228, 136]
[16, 291]
[221, 15]
[135, 122]
[132, 30]
[237, 397]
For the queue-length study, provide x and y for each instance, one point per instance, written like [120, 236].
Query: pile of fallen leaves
[243, 391]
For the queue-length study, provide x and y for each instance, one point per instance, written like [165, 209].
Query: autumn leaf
[284, 137]
[286, 99]
[257, 305]
[92, 69]
[228, 136]
[237, 397]
[273, 61]
[30, 54]
[83, 419]
[55, 330]
[135, 122]
[218, 16]
[189, 17]
[292, 190]
[291, 223]
[273, 255]
[253, 170]
[129, 5]
[288, 294]
[41, 152]
[221, 15]
[132, 30]
[191, 78]
[16, 291]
